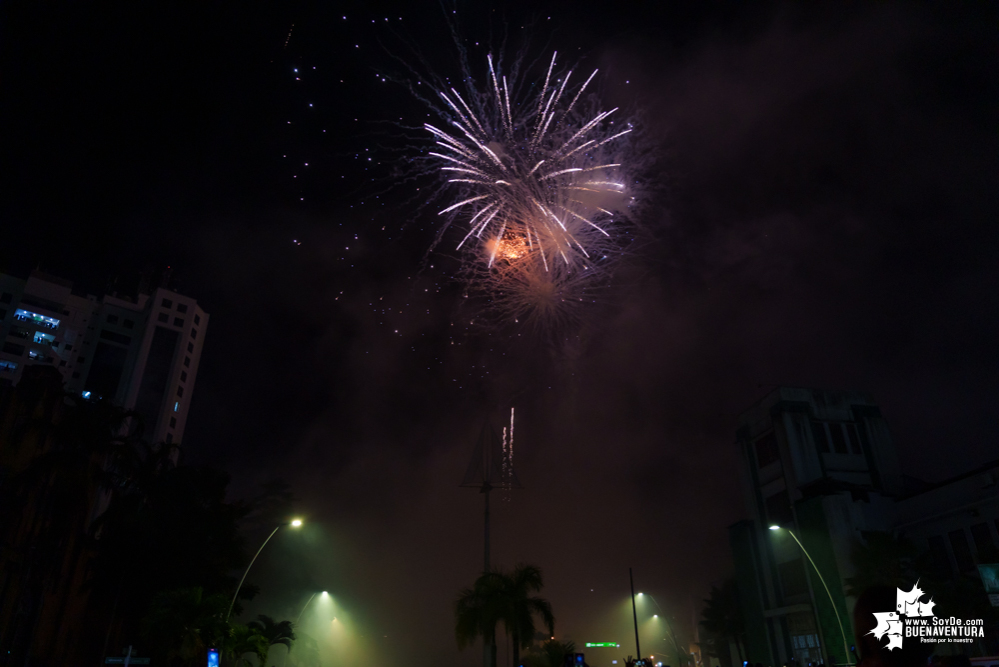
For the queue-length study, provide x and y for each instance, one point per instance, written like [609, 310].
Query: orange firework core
[511, 247]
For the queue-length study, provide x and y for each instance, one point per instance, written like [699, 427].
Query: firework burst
[537, 181]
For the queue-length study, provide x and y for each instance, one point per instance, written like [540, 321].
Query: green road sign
[602, 645]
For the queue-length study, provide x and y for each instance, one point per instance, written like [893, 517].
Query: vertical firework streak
[540, 189]
[507, 469]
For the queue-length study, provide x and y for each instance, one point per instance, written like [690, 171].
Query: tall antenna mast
[491, 467]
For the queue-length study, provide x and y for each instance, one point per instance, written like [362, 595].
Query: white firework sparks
[507, 470]
[538, 181]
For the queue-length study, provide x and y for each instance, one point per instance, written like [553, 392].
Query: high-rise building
[141, 353]
[822, 465]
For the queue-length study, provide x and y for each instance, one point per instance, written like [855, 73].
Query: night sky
[822, 213]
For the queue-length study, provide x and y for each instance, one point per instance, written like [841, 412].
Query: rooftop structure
[822, 464]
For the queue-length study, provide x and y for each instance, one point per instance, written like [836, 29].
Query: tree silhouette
[506, 597]
[274, 632]
[722, 620]
[242, 641]
[184, 623]
[522, 607]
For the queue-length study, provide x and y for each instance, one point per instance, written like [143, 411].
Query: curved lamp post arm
[233, 603]
[672, 635]
[304, 608]
[846, 648]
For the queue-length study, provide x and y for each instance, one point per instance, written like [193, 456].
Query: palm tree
[476, 613]
[244, 640]
[521, 607]
[498, 596]
[274, 632]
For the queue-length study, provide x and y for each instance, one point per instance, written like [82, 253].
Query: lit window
[176, 406]
[38, 320]
[7, 366]
[43, 338]
[86, 394]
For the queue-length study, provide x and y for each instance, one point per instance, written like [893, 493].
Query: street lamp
[846, 648]
[294, 523]
[672, 635]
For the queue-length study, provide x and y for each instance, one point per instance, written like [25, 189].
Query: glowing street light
[324, 594]
[294, 523]
[672, 635]
[846, 648]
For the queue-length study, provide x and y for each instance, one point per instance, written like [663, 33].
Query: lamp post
[294, 523]
[634, 613]
[672, 635]
[306, 606]
[846, 647]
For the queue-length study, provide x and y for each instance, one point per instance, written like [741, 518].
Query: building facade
[142, 353]
[820, 466]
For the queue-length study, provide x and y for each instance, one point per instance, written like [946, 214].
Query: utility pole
[634, 614]
[486, 488]
[489, 468]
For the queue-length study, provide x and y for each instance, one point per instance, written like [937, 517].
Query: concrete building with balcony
[141, 353]
[823, 465]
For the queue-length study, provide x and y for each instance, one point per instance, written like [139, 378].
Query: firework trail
[507, 468]
[539, 191]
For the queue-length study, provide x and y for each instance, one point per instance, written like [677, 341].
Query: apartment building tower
[141, 353]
